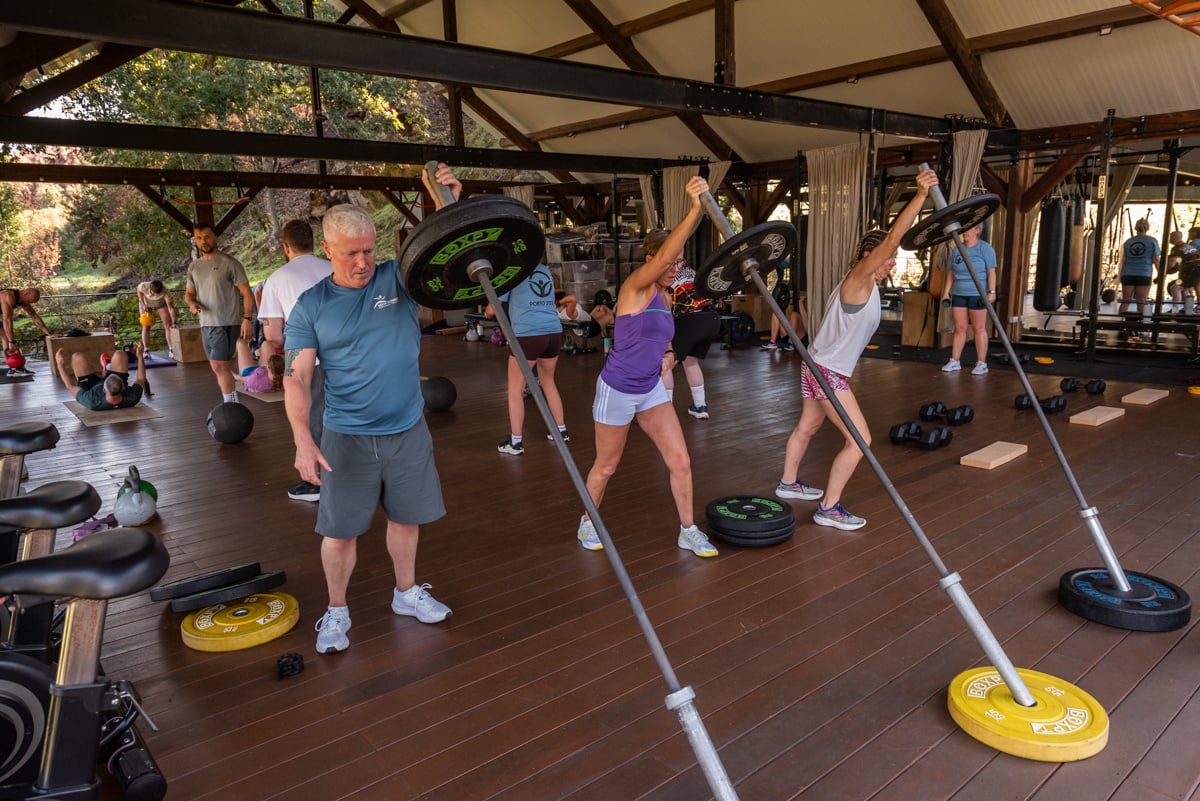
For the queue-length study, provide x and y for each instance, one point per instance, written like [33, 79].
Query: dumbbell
[1055, 403]
[930, 440]
[1094, 387]
[960, 415]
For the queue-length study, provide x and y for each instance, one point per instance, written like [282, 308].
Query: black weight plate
[495, 228]
[766, 244]
[758, 541]
[260, 583]
[748, 514]
[743, 327]
[968, 213]
[1153, 605]
[786, 527]
[204, 581]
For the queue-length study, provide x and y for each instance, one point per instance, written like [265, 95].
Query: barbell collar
[479, 270]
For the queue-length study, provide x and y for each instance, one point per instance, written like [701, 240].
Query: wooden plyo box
[1097, 415]
[1145, 397]
[185, 341]
[993, 455]
[90, 346]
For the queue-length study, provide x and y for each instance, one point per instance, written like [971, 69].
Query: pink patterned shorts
[811, 390]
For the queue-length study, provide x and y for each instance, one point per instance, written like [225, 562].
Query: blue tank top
[1139, 252]
[639, 342]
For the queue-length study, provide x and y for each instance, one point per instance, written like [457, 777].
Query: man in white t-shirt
[279, 295]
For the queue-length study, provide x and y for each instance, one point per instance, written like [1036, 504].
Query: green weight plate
[747, 515]
[205, 581]
[243, 623]
[435, 259]
[260, 583]
[764, 246]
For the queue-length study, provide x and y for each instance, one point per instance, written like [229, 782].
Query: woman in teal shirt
[963, 296]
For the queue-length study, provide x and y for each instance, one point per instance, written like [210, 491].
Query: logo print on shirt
[382, 302]
[541, 287]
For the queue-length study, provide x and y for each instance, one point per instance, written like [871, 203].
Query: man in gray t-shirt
[214, 282]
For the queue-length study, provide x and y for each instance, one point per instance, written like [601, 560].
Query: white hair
[348, 220]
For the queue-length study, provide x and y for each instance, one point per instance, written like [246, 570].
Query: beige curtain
[645, 183]
[675, 199]
[521, 193]
[836, 177]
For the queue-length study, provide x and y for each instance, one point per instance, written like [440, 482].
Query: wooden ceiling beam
[108, 59]
[1079, 25]
[633, 27]
[970, 68]
[398, 11]
[1054, 175]
[625, 50]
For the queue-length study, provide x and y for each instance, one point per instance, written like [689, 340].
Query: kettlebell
[137, 500]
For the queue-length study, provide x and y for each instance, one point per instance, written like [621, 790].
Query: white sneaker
[588, 537]
[951, 366]
[693, 539]
[417, 602]
[980, 368]
[331, 630]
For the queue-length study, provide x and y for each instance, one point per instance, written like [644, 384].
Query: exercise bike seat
[27, 438]
[55, 505]
[106, 565]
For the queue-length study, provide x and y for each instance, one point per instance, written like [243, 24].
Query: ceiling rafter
[969, 67]
[1080, 25]
[110, 57]
[631, 27]
[629, 54]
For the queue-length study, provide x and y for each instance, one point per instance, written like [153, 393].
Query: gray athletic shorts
[396, 470]
[220, 341]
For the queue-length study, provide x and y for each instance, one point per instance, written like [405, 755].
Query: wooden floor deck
[820, 665]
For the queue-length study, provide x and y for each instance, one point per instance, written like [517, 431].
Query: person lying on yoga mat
[94, 390]
[264, 375]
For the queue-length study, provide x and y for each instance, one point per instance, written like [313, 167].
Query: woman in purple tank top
[630, 386]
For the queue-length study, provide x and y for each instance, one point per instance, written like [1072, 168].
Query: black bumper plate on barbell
[205, 581]
[941, 226]
[260, 583]
[766, 244]
[761, 539]
[1153, 604]
[435, 259]
[747, 515]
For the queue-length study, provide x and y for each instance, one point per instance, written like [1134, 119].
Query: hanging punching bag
[1078, 227]
[1064, 278]
[1051, 235]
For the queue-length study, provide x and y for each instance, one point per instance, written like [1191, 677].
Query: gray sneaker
[693, 539]
[798, 490]
[588, 537]
[417, 602]
[331, 630]
[837, 517]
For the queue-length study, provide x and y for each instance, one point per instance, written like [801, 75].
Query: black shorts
[1135, 280]
[694, 332]
[541, 346]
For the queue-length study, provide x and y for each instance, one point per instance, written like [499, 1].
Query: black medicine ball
[230, 422]
[439, 393]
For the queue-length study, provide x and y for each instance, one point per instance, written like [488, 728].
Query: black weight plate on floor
[1157, 605]
[205, 581]
[757, 541]
[767, 534]
[748, 514]
[260, 583]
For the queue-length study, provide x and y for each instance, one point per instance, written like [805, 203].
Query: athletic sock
[515, 439]
[562, 429]
[698, 396]
[231, 397]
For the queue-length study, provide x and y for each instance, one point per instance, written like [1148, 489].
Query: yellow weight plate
[251, 621]
[1064, 725]
[1043, 360]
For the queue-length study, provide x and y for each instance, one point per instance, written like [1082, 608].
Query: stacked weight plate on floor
[231, 608]
[750, 521]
